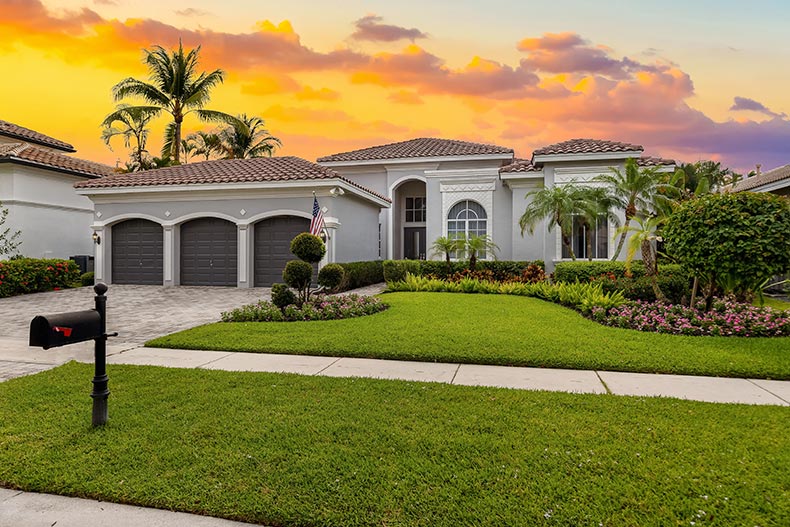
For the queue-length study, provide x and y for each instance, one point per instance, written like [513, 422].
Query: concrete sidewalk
[30, 509]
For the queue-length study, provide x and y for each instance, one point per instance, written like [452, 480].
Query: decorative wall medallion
[167, 213]
[242, 212]
[98, 214]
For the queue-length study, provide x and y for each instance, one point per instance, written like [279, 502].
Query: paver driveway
[137, 312]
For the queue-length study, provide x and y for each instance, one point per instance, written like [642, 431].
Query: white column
[169, 253]
[331, 225]
[242, 255]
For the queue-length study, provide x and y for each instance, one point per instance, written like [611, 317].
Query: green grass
[775, 303]
[289, 450]
[495, 329]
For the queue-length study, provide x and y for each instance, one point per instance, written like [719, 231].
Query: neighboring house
[230, 222]
[441, 187]
[225, 222]
[36, 186]
[776, 181]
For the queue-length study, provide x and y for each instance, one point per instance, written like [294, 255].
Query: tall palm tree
[176, 88]
[247, 138]
[558, 204]
[132, 124]
[637, 190]
[596, 203]
[205, 144]
[479, 245]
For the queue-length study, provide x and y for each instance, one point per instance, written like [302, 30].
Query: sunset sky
[687, 79]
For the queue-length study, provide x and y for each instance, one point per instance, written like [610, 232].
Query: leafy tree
[704, 177]
[558, 204]
[446, 246]
[299, 273]
[130, 123]
[247, 138]
[9, 241]
[176, 88]
[733, 241]
[205, 144]
[635, 190]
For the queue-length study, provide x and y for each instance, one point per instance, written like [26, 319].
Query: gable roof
[31, 155]
[520, 165]
[417, 148]
[649, 161]
[586, 146]
[15, 131]
[772, 176]
[259, 169]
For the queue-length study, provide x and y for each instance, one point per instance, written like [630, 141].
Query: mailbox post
[51, 331]
[100, 380]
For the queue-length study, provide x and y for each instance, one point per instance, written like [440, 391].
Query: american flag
[317, 223]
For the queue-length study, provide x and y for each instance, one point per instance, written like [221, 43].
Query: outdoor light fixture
[96, 238]
[337, 191]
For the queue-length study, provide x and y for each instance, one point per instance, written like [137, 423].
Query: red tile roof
[15, 131]
[415, 148]
[586, 146]
[258, 169]
[772, 176]
[28, 154]
[520, 165]
[649, 161]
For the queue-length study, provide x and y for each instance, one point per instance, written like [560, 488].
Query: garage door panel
[209, 248]
[137, 252]
[273, 247]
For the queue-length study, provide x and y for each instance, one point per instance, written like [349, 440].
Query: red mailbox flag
[60, 329]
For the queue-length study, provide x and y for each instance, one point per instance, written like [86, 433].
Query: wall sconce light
[336, 191]
[96, 238]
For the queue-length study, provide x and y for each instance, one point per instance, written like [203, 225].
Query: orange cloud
[405, 97]
[311, 94]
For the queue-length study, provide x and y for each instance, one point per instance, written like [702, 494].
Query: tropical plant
[444, 245]
[734, 241]
[475, 246]
[704, 177]
[558, 205]
[635, 190]
[130, 123]
[247, 138]
[205, 144]
[643, 236]
[176, 88]
[9, 241]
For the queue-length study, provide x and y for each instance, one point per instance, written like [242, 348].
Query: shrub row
[318, 308]
[503, 270]
[31, 275]
[361, 274]
[581, 296]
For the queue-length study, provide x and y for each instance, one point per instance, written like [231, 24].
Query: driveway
[137, 312]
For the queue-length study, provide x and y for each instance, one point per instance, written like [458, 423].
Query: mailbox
[51, 331]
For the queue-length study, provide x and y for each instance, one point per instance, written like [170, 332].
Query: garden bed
[292, 450]
[320, 307]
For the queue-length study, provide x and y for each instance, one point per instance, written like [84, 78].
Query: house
[230, 222]
[776, 181]
[37, 175]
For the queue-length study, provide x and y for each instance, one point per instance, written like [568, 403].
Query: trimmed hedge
[31, 275]
[361, 274]
[396, 270]
[586, 271]
[87, 278]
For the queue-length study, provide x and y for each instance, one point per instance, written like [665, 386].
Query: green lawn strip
[289, 450]
[495, 329]
[775, 303]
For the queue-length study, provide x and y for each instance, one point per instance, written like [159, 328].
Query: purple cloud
[369, 27]
[746, 104]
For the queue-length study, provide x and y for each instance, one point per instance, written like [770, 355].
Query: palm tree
[175, 87]
[247, 138]
[643, 234]
[558, 204]
[446, 246]
[596, 203]
[133, 125]
[205, 144]
[638, 190]
[478, 245]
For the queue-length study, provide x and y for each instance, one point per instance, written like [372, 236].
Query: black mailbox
[51, 331]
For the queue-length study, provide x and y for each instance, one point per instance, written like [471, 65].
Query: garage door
[209, 252]
[137, 250]
[273, 247]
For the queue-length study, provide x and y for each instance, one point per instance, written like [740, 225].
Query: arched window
[466, 219]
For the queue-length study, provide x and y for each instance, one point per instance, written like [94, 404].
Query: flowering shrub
[726, 318]
[317, 308]
[31, 275]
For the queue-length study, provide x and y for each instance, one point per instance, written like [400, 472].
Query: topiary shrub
[282, 296]
[87, 278]
[331, 276]
[308, 247]
[299, 274]
[733, 241]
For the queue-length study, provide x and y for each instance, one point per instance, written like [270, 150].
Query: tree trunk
[567, 243]
[694, 288]
[621, 243]
[648, 258]
[589, 242]
[449, 264]
[472, 260]
[711, 290]
[178, 119]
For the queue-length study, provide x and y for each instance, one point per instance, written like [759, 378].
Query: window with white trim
[600, 239]
[466, 219]
[415, 210]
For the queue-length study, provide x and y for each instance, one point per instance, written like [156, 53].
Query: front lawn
[289, 450]
[495, 329]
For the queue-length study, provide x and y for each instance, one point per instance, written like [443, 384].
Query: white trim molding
[274, 213]
[601, 156]
[410, 160]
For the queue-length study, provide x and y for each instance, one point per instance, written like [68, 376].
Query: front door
[414, 243]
